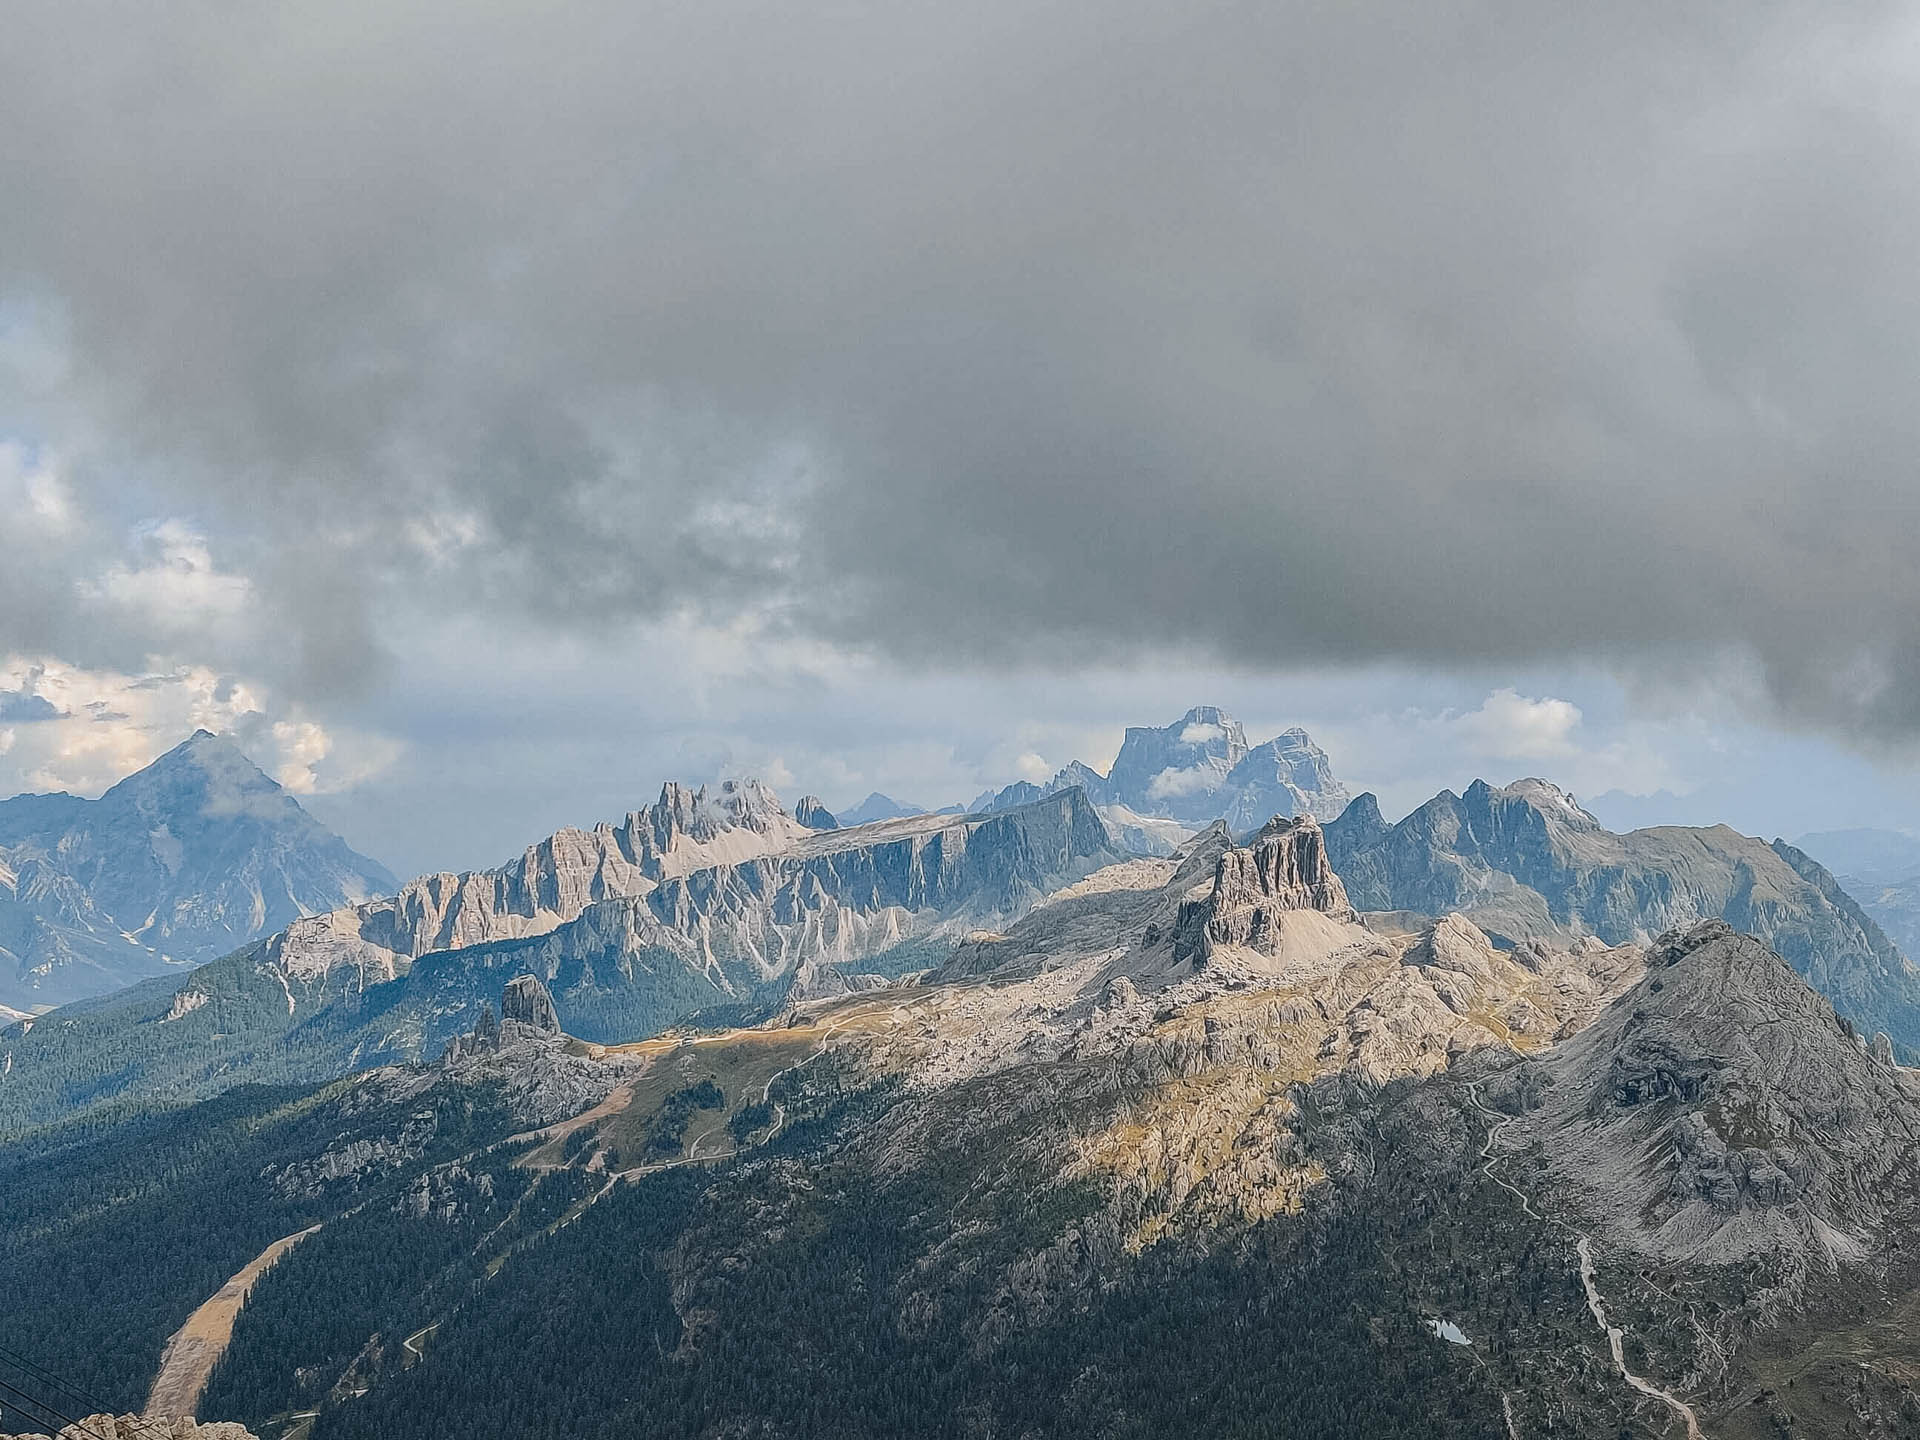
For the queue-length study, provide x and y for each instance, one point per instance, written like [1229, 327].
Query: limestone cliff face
[551, 883]
[1285, 869]
[836, 899]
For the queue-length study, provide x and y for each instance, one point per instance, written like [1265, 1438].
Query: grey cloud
[1292, 333]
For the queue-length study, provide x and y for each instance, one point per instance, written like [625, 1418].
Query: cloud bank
[1291, 334]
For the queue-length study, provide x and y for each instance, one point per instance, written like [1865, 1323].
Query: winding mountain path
[1583, 1247]
[196, 1347]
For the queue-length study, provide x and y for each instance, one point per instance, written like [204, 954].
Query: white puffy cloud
[1509, 725]
[1172, 783]
[93, 727]
[1029, 765]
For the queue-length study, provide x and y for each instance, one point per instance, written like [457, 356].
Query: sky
[487, 411]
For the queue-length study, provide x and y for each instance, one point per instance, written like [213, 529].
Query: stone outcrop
[133, 1427]
[526, 1002]
[526, 1014]
[1285, 869]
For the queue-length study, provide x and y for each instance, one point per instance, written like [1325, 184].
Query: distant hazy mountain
[884, 807]
[1526, 861]
[1195, 771]
[195, 855]
[1880, 869]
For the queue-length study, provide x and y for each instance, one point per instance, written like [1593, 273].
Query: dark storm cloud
[1295, 332]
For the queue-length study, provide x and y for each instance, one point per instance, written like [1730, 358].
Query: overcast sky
[487, 411]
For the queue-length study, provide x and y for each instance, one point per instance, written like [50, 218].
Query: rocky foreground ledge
[132, 1427]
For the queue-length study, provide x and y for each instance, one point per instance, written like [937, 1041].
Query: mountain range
[1187, 1144]
[702, 901]
[720, 904]
[1525, 861]
[725, 1119]
[195, 855]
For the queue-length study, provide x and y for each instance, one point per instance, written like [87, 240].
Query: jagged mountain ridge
[676, 930]
[195, 855]
[1526, 860]
[549, 884]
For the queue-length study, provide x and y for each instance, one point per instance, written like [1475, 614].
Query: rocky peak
[1288, 863]
[1544, 796]
[1285, 869]
[1288, 775]
[180, 862]
[1196, 770]
[1173, 770]
[209, 770]
[527, 1013]
[1723, 1104]
[812, 812]
[1360, 825]
[874, 808]
[701, 816]
[526, 1002]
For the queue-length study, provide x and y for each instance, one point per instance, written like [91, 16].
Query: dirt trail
[197, 1346]
[1583, 1246]
[1616, 1338]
